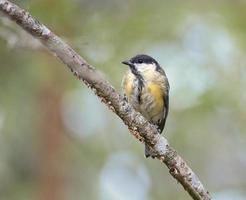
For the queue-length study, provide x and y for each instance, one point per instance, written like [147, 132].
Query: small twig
[136, 123]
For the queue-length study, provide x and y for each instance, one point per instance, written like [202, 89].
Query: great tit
[146, 88]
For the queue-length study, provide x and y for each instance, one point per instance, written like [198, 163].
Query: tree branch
[137, 124]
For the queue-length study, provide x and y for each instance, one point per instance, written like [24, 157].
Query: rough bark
[137, 124]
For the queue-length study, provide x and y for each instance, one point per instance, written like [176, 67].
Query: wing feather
[162, 122]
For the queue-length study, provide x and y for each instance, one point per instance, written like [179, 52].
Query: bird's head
[141, 62]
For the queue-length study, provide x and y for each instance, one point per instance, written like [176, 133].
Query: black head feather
[142, 58]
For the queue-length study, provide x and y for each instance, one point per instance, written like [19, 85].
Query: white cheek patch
[145, 67]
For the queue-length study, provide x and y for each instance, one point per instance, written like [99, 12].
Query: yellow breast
[157, 92]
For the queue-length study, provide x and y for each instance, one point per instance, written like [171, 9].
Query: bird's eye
[140, 61]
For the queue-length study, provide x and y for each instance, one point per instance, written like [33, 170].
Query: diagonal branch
[137, 124]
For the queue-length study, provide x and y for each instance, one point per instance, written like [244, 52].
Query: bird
[146, 88]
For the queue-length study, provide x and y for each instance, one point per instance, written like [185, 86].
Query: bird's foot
[150, 153]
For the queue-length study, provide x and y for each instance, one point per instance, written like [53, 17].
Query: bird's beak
[127, 62]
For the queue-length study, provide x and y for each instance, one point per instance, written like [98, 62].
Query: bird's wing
[162, 122]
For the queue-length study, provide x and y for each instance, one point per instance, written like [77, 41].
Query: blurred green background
[59, 142]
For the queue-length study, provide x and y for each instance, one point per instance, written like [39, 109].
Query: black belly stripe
[139, 98]
[140, 84]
